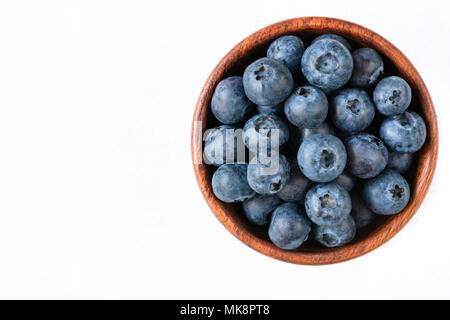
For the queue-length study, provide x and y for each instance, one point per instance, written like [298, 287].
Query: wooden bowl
[419, 176]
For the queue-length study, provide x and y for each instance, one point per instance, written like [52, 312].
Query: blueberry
[405, 132]
[322, 157]
[297, 134]
[229, 103]
[323, 128]
[229, 183]
[307, 107]
[296, 187]
[289, 227]
[265, 130]
[278, 109]
[400, 161]
[327, 204]
[334, 37]
[367, 155]
[327, 64]
[352, 110]
[222, 145]
[392, 96]
[258, 209]
[267, 82]
[387, 193]
[335, 235]
[289, 50]
[362, 215]
[345, 134]
[268, 175]
[367, 67]
[346, 180]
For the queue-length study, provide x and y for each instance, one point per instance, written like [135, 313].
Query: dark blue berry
[289, 50]
[327, 64]
[352, 110]
[268, 175]
[405, 132]
[297, 134]
[392, 96]
[323, 128]
[289, 227]
[400, 161]
[387, 193]
[229, 103]
[296, 187]
[221, 145]
[327, 204]
[367, 155]
[367, 67]
[265, 130]
[335, 235]
[346, 180]
[362, 215]
[334, 37]
[322, 157]
[267, 82]
[278, 109]
[229, 183]
[307, 107]
[258, 209]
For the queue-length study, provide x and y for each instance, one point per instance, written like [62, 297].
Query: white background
[97, 194]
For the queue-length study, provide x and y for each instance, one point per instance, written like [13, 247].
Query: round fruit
[267, 82]
[289, 227]
[322, 157]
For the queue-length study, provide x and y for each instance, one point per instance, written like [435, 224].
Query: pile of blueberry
[309, 120]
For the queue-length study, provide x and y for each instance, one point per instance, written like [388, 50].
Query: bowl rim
[426, 162]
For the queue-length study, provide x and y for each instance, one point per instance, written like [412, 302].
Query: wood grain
[385, 228]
